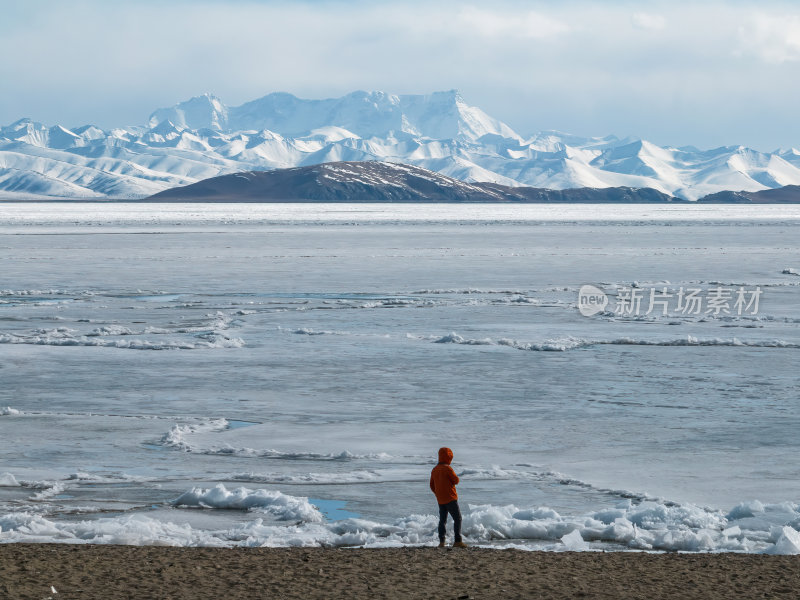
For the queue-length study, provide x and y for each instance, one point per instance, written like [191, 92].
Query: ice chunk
[686, 541]
[574, 541]
[49, 489]
[110, 330]
[8, 480]
[734, 531]
[280, 506]
[745, 510]
[620, 530]
[535, 514]
[788, 542]
[609, 516]
[653, 515]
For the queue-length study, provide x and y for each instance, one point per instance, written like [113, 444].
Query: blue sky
[676, 73]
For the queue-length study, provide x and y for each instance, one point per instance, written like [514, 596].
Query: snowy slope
[202, 138]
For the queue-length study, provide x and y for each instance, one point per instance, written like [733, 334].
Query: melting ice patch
[210, 333]
[108, 330]
[84, 477]
[62, 338]
[51, 292]
[178, 438]
[308, 331]
[49, 489]
[468, 291]
[361, 476]
[227, 449]
[573, 343]
[412, 473]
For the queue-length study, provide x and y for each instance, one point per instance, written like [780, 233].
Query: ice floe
[278, 505]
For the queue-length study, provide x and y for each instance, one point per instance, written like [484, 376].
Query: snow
[202, 138]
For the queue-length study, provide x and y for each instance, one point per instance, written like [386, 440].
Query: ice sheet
[351, 345]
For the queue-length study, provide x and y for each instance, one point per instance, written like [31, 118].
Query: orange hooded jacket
[443, 478]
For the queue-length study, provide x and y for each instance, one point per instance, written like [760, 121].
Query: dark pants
[455, 512]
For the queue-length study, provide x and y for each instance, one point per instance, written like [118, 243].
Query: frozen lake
[284, 374]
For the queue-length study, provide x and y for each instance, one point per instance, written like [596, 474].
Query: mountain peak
[440, 115]
[200, 112]
[166, 127]
[449, 95]
[24, 123]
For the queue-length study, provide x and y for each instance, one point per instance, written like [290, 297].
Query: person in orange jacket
[443, 484]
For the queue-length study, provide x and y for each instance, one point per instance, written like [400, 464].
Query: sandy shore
[111, 572]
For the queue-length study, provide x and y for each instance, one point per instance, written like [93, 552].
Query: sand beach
[27, 571]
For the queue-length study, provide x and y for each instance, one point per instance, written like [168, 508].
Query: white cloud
[775, 39]
[648, 21]
[523, 24]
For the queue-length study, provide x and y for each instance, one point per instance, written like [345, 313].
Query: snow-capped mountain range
[203, 138]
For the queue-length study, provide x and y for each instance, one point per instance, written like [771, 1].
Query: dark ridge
[787, 195]
[383, 182]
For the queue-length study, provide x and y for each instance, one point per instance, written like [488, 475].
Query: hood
[445, 456]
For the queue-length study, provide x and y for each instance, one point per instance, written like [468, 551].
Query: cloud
[523, 24]
[774, 39]
[648, 21]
